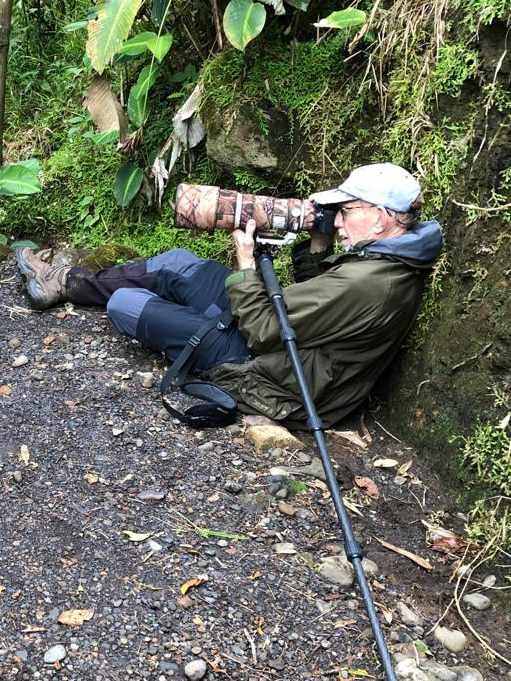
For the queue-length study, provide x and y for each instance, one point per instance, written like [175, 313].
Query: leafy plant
[243, 21]
[343, 19]
[488, 450]
[20, 178]
[108, 32]
[128, 181]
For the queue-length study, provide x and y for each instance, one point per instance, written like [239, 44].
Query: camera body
[206, 207]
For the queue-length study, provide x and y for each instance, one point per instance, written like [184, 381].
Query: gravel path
[88, 456]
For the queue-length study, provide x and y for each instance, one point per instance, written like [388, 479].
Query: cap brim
[331, 196]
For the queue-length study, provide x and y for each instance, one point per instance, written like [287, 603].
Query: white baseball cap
[382, 184]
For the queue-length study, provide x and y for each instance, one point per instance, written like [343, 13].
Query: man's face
[356, 221]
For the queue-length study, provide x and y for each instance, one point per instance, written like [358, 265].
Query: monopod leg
[352, 547]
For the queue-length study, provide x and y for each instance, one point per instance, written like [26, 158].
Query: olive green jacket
[349, 322]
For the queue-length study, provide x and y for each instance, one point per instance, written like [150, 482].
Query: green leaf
[138, 44]
[345, 18]
[24, 243]
[219, 534]
[3, 240]
[138, 97]
[75, 26]
[243, 21]
[108, 33]
[160, 45]
[20, 178]
[302, 5]
[127, 183]
[158, 11]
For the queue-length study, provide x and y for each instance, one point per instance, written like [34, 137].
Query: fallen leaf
[215, 665]
[214, 497]
[404, 468]
[385, 463]
[5, 390]
[48, 340]
[423, 562]
[24, 455]
[255, 575]
[287, 509]
[340, 624]
[91, 478]
[71, 403]
[75, 618]
[368, 485]
[195, 581]
[350, 435]
[444, 541]
[137, 536]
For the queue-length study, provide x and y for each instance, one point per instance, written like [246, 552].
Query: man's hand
[244, 243]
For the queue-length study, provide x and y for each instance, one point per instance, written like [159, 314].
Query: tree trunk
[5, 31]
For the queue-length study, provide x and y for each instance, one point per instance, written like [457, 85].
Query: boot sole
[23, 265]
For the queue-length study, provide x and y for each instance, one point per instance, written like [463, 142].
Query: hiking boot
[46, 285]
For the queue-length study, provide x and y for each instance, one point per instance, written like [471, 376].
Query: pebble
[468, 674]
[117, 431]
[477, 601]
[14, 343]
[337, 570]
[151, 494]
[371, 568]
[439, 671]
[408, 616]
[55, 654]
[195, 670]
[206, 447]
[452, 639]
[232, 486]
[286, 509]
[146, 379]
[489, 581]
[17, 476]
[285, 548]
[20, 361]
[282, 493]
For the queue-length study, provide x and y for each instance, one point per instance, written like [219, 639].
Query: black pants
[162, 301]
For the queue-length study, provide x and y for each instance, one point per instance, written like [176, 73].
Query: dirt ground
[87, 453]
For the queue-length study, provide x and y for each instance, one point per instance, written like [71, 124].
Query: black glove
[306, 264]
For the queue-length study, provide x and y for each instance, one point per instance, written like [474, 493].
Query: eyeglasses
[346, 209]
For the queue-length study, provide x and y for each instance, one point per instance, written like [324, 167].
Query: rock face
[257, 140]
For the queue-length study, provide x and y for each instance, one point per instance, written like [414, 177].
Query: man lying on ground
[350, 312]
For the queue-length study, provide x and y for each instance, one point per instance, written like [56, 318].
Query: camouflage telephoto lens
[208, 208]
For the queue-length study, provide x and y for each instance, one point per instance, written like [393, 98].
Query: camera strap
[217, 406]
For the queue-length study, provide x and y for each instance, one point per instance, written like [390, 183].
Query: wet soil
[87, 453]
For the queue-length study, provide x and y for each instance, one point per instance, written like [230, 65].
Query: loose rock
[55, 654]
[468, 674]
[20, 361]
[439, 671]
[195, 670]
[266, 437]
[453, 640]
[408, 616]
[337, 570]
[477, 601]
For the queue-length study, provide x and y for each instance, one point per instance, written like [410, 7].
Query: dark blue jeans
[164, 300]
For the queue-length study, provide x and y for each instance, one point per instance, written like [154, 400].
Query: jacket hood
[419, 246]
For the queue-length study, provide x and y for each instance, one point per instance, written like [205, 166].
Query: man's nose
[338, 222]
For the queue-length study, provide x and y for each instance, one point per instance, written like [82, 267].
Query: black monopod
[352, 547]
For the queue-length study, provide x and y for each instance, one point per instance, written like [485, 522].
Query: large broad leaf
[345, 18]
[20, 178]
[243, 21]
[138, 98]
[127, 183]
[107, 34]
[104, 107]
